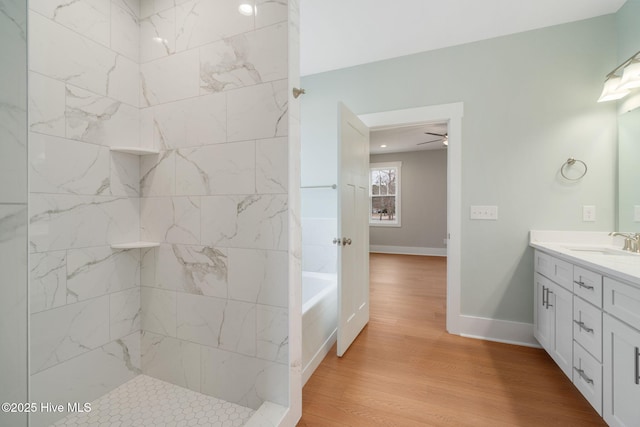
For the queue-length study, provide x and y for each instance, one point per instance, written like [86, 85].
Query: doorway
[408, 167]
[451, 114]
[319, 209]
[380, 188]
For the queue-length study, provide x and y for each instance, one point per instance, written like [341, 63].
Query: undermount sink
[600, 251]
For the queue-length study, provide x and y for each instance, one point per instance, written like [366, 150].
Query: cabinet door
[542, 315]
[621, 374]
[561, 302]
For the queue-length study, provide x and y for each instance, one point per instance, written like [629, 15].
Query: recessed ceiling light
[246, 9]
[383, 146]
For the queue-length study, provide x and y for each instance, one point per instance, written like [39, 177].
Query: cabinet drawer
[622, 301]
[587, 376]
[587, 327]
[555, 269]
[588, 285]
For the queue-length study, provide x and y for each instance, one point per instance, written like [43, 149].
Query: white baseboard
[407, 250]
[318, 357]
[498, 330]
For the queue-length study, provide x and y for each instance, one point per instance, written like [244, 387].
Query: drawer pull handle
[582, 285]
[583, 375]
[637, 365]
[583, 326]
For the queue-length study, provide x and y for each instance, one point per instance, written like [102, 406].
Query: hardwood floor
[405, 370]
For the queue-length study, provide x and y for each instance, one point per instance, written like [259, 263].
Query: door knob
[345, 241]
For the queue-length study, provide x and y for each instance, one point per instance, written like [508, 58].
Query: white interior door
[353, 228]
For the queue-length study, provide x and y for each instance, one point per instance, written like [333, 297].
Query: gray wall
[529, 104]
[13, 207]
[423, 201]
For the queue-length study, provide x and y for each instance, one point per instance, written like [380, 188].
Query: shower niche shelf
[135, 150]
[135, 245]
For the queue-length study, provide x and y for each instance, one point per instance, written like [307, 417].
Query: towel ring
[570, 162]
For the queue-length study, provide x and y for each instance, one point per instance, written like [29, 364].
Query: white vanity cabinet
[598, 343]
[571, 330]
[621, 358]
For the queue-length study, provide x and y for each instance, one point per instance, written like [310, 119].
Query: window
[384, 192]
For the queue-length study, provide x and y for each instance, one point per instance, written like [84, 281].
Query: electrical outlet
[588, 213]
[484, 212]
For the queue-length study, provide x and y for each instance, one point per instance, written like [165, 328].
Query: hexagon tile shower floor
[146, 401]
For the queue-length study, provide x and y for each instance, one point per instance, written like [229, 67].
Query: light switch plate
[588, 213]
[484, 212]
[636, 213]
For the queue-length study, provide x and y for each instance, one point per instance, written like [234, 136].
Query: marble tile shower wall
[208, 87]
[84, 297]
[215, 293]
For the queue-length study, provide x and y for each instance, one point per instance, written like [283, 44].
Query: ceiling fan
[443, 137]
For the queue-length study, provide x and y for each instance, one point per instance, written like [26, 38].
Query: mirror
[629, 171]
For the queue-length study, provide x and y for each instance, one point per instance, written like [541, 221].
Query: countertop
[618, 264]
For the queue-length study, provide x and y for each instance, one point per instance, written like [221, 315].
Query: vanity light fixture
[383, 146]
[616, 85]
[612, 90]
[631, 75]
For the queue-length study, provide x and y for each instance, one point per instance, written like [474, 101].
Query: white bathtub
[316, 286]
[319, 318]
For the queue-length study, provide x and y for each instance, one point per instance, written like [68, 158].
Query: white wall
[529, 104]
[319, 212]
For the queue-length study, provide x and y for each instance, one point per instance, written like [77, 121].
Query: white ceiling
[407, 138]
[336, 34]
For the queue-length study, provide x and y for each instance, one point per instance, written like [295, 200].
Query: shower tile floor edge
[147, 401]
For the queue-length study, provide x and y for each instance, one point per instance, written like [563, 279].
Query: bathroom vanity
[587, 317]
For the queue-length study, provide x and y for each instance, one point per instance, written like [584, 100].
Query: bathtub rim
[332, 284]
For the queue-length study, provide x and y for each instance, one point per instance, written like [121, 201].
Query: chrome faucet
[631, 241]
